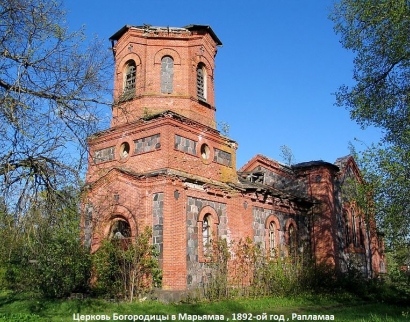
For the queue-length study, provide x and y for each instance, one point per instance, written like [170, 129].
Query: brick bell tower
[162, 148]
[164, 68]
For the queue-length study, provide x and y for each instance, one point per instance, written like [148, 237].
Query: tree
[287, 155]
[51, 86]
[378, 33]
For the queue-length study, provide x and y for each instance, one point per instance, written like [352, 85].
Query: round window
[205, 151]
[124, 150]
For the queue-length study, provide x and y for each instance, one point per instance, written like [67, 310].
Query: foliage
[224, 128]
[243, 269]
[43, 252]
[215, 286]
[377, 32]
[386, 173]
[20, 317]
[287, 155]
[343, 306]
[51, 87]
[127, 268]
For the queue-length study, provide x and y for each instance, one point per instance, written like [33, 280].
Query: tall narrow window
[346, 229]
[292, 240]
[201, 82]
[206, 234]
[167, 74]
[272, 243]
[130, 76]
[354, 227]
[207, 224]
[361, 233]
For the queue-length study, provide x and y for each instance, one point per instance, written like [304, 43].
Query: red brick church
[162, 163]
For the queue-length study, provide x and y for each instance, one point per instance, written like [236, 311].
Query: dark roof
[119, 33]
[311, 164]
[208, 29]
[191, 27]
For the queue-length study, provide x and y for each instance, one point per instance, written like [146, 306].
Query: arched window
[130, 75]
[167, 74]
[208, 222]
[292, 241]
[346, 227]
[201, 82]
[272, 239]
[207, 234]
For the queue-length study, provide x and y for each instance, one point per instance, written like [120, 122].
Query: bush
[126, 268]
[243, 269]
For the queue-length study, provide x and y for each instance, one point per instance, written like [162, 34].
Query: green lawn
[341, 308]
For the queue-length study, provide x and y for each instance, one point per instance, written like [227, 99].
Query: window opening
[205, 151]
[354, 228]
[167, 74]
[292, 240]
[272, 243]
[206, 234]
[346, 230]
[361, 234]
[130, 76]
[201, 82]
[124, 150]
[120, 230]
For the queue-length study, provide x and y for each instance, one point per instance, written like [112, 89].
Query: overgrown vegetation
[242, 269]
[343, 306]
[125, 269]
[41, 252]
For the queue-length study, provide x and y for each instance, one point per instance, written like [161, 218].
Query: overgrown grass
[344, 307]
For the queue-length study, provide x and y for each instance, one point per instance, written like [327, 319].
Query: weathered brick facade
[163, 164]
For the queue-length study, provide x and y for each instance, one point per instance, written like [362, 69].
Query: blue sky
[275, 73]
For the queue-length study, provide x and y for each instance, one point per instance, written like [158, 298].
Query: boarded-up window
[167, 74]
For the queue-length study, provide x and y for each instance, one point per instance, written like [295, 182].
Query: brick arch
[204, 61]
[167, 52]
[131, 56]
[120, 71]
[120, 212]
[290, 222]
[208, 210]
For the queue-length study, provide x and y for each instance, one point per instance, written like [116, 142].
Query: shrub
[126, 268]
